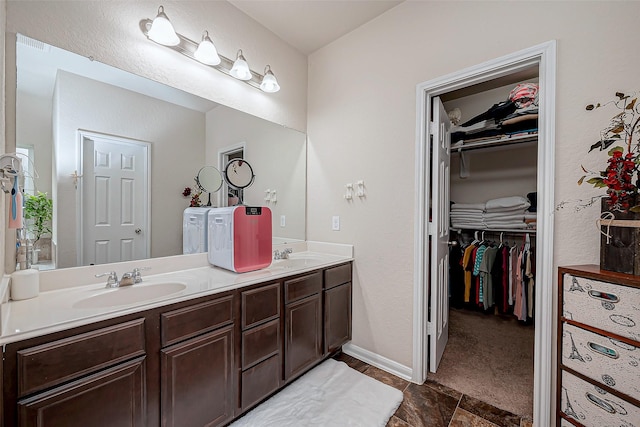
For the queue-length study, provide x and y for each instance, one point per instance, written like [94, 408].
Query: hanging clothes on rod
[493, 275]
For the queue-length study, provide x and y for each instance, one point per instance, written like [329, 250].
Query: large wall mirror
[74, 115]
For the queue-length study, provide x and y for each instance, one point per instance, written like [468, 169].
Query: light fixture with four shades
[161, 31]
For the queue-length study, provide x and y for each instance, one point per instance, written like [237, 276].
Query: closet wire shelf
[498, 142]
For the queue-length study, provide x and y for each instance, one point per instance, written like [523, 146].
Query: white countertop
[55, 310]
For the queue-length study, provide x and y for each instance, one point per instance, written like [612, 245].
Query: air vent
[35, 44]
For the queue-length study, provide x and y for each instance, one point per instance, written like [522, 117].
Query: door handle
[138, 231]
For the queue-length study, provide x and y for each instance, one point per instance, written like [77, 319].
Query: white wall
[362, 124]
[176, 134]
[278, 158]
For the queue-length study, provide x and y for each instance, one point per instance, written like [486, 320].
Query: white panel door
[439, 231]
[114, 200]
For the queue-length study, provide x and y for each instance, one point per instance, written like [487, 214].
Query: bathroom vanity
[202, 356]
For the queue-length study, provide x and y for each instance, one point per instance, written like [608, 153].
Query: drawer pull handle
[605, 351]
[600, 403]
[604, 296]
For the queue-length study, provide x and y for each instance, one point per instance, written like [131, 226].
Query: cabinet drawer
[260, 342]
[610, 307]
[191, 321]
[602, 359]
[113, 397]
[302, 287]
[594, 407]
[260, 381]
[260, 304]
[337, 276]
[53, 363]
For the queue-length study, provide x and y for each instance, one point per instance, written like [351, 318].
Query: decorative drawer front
[260, 304]
[192, 321]
[603, 359]
[260, 381]
[302, 287]
[260, 342]
[59, 361]
[337, 276]
[610, 307]
[594, 407]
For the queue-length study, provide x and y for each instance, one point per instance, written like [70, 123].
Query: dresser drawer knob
[600, 403]
[605, 351]
[604, 296]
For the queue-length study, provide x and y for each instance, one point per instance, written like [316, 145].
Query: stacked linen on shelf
[504, 212]
[467, 215]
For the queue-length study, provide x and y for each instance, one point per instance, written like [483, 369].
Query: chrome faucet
[127, 279]
[282, 255]
[112, 279]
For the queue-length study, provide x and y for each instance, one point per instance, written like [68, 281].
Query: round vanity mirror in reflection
[239, 174]
[209, 180]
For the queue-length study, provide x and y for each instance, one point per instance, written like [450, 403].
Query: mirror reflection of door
[114, 200]
[231, 196]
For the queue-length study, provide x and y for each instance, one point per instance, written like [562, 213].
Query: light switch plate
[335, 223]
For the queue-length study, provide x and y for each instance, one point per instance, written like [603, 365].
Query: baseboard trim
[378, 361]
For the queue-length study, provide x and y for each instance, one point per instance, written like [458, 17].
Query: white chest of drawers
[598, 348]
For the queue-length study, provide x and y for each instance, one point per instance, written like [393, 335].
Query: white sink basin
[130, 295]
[295, 261]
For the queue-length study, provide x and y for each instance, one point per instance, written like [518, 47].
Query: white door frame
[222, 162]
[545, 56]
[82, 134]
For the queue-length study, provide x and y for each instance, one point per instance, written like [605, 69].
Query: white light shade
[269, 83]
[240, 69]
[162, 31]
[206, 51]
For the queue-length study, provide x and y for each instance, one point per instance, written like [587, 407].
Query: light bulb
[206, 51]
[240, 69]
[269, 83]
[162, 31]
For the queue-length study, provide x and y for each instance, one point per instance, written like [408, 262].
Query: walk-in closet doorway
[431, 310]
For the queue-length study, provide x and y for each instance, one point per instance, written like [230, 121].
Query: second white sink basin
[130, 295]
[295, 261]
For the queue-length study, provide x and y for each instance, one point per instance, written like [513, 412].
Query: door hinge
[430, 228]
[430, 328]
[431, 127]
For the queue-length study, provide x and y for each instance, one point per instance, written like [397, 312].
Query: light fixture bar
[188, 47]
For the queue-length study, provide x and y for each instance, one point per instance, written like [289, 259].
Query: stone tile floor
[434, 405]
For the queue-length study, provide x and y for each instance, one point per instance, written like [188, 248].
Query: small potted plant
[38, 209]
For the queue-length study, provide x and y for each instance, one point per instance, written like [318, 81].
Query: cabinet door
[337, 317]
[113, 397]
[197, 381]
[303, 343]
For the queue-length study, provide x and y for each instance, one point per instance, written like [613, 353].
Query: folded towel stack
[504, 212]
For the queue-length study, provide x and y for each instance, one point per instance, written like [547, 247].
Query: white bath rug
[330, 395]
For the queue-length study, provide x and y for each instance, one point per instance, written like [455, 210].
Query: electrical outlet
[283, 221]
[335, 223]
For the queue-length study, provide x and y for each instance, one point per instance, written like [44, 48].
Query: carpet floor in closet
[489, 357]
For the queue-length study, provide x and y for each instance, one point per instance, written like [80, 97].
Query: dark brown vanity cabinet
[95, 378]
[199, 362]
[337, 307]
[196, 364]
[303, 323]
[261, 370]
